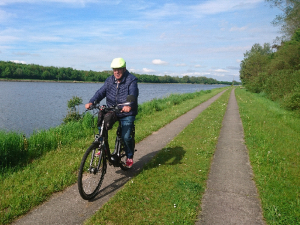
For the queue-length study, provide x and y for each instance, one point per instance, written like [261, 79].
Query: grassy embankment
[272, 138]
[55, 167]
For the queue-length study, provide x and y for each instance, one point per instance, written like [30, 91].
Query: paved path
[67, 207]
[231, 196]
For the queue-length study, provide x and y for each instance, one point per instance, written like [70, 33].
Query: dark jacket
[116, 93]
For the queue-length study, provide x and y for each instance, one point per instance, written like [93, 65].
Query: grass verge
[169, 189]
[27, 187]
[272, 138]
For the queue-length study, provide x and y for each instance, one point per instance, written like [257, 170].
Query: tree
[185, 79]
[73, 114]
[289, 19]
[45, 75]
[18, 73]
[253, 65]
[6, 72]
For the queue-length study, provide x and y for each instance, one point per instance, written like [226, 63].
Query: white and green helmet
[118, 63]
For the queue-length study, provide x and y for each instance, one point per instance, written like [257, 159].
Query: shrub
[73, 114]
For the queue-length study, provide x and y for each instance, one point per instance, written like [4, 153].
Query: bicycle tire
[123, 157]
[91, 172]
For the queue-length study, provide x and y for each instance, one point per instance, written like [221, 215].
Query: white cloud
[5, 15]
[180, 65]
[238, 28]
[199, 10]
[148, 70]
[159, 62]
[221, 71]
[228, 49]
[46, 39]
[197, 66]
[78, 2]
[233, 67]
[17, 61]
[5, 39]
[164, 11]
[25, 54]
[196, 74]
[219, 6]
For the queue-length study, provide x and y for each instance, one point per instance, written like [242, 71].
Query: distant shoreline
[47, 81]
[91, 82]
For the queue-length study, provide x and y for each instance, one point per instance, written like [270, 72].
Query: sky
[173, 37]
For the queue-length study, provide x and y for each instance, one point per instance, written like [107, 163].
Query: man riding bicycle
[116, 88]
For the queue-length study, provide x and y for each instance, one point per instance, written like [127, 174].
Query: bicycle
[94, 162]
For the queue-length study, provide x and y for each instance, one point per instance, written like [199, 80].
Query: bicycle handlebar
[105, 108]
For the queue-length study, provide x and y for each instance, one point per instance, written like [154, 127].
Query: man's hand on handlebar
[88, 105]
[126, 108]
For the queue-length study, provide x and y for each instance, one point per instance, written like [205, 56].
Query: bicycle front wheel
[91, 172]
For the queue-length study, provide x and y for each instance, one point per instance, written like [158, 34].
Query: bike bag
[109, 119]
[100, 118]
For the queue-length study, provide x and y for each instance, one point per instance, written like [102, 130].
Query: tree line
[12, 70]
[274, 70]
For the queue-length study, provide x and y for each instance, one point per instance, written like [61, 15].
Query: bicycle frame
[102, 138]
[94, 162]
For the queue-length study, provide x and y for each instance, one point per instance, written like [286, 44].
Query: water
[29, 106]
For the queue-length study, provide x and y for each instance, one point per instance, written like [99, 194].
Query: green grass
[26, 187]
[169, 188]
[272, 136]
[16, 150]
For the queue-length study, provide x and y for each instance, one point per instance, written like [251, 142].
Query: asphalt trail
[231, 195]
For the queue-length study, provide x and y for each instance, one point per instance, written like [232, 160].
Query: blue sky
[173, 37]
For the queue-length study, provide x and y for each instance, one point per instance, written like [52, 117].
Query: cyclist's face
[118, 73]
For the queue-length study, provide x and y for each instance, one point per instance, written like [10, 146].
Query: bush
[282, 84]
[292, 100]
[73, 114]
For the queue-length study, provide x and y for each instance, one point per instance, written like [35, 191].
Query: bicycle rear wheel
[91, 172]
[122, 156]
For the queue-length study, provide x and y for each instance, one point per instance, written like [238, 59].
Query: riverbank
[36, 182]
[271, 137]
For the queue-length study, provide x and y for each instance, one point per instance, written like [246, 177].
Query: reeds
[16, 150]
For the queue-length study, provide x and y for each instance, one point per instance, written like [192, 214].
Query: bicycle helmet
[118, 63]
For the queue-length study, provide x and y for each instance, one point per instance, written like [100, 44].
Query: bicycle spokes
[91, 173]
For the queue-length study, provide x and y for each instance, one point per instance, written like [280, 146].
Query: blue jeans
[127, 124]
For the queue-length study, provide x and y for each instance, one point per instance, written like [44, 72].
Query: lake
[29, 106]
